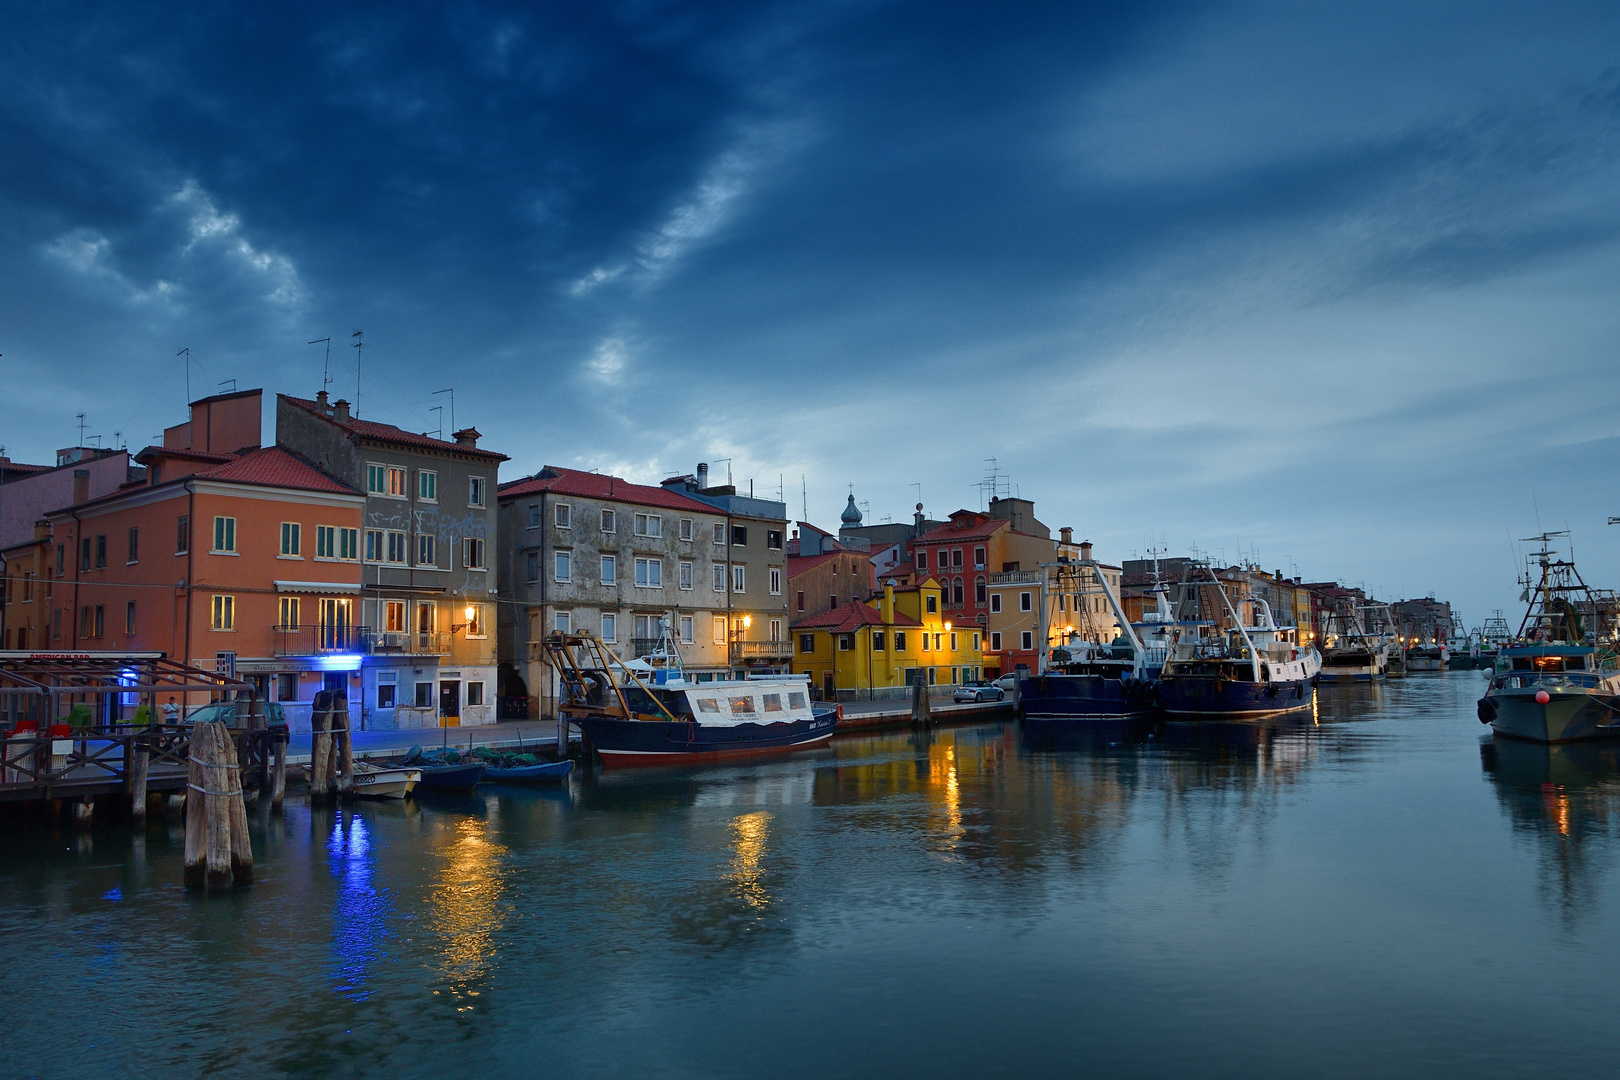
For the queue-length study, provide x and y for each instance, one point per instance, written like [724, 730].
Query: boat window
[795, 701]
[708, 704]
[1574, 663]
[773, 702]
[742, 706]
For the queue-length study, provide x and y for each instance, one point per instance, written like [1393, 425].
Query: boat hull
[1207, 697]
[450, 777]
[385, 783]
[1568, 715]
[655, 742]
[1049, 698]
[548, 772]
[1349, 675]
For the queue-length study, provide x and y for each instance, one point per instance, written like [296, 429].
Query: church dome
[852, 514]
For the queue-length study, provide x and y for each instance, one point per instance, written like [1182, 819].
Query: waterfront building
[888, 544]
[1424, 621]
[28, 491]
[580, 551]
[423, 617]
[880, 647]
[754, 549]
[1014, 613]
[226, 555]
[26, 608]
[824, 572]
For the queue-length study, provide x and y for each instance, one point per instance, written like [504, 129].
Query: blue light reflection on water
[359, 917]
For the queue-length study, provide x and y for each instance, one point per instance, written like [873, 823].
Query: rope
[213, 764]
[205, 791]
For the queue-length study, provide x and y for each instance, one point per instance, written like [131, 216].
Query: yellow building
[876, 649]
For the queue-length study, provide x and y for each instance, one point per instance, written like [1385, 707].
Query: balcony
[1016, 577]
[318, 640]
[760, 650]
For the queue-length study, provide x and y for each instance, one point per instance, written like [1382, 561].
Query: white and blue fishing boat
[662, 718]
[1246, 673]
[1555, 682]
[1351, 653]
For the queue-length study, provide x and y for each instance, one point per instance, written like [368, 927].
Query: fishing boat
[1082, 679]
[1431, 657]
[543, 772]
[1248, 672]
[444, 770]
[1555, 682]
[1351, 654]
[384, 781]
[663, 718]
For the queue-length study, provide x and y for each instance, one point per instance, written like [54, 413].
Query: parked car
[1007, 683]
[977, 690]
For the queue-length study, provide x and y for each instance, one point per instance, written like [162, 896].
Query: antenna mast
[359, 346]
[186, 352]
[452, 393]
[326, 365]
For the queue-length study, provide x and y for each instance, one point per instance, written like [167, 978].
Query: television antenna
[186, 352]
[452, 393]
[359, 351]
[326, 365]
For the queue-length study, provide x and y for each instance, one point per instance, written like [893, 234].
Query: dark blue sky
[1335, 284]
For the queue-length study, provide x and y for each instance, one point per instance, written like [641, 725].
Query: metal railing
[1015, 577]
[315, 640]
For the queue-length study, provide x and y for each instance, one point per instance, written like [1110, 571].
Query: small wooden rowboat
[460, 777]
[545, 772]
[384, 781]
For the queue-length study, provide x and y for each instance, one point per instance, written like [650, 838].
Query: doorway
[829, 689]
[450, 700]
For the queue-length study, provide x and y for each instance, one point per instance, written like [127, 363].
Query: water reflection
[360, 911]
[466, 909]
[747, 875]
[1568, 798]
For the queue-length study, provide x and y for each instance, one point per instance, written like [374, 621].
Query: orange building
[228, 555]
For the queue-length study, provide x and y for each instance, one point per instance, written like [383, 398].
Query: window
[719, 534]
[292, 539]
[953, 641]
[801, 601]
[61, 550]
[562, 515]
[475, 621]
[739, 536]
[101, 620]
[776, 629]
[807, 643]
[385, 695]
[325, 542]
[773, 539]
[424, 695]
[650, 573]
[976, 642]
[846, 642]
[719, 629]
[776, 581]
[562, 566]
[397, 542]
[225, 534]
[933, 604]
[610, 521]
[649, 525]
[349, 544]
[534, 515]
[649, 627]
[922, 561]
[899, 641]
[719, 577]
[288, 612]
[472, 553]
[877, 641]
[924, 642]
[686, 528]
[1024, 602]
[564, 621]
[475, 491]
[101, 552]
[376, 479]
[610, 626]
[1026, 640]
[182, 539]
[224, 613]
[610, 570]
[129, 616]
[939, 642]
[956, 592]
[394, 616]
[978, 590]
[686, 629]
[531, 566]
[688, 575]
[84, 553]
[398, 487]
[995, 641]
[956, 558]
[995, 602]
[978, 558]
[427, 485]
[427, 550]
[475, 693]
[739, 579]
[287, 687]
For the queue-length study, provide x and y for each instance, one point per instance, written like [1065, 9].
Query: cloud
[212, 231]
[607, 361]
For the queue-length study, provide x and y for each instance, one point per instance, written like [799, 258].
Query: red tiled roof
[274, 466]
[846, 618]
[368, 429]
[588, 485]
[151, 452]
[798, 564]
[946, 534]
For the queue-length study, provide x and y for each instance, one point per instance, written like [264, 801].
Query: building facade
[824, 573]
[881, 647]
[423, 618]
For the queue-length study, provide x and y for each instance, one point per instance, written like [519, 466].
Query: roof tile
[589, 485]
[369, 429]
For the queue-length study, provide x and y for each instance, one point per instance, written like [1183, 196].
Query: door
[829, 691]
[333, 631]
[426, 623]
[449, 699]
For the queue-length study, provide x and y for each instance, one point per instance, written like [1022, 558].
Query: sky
[1328, 286]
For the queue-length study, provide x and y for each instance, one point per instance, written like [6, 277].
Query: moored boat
[1080, 679]
[384, 781]
[543, 772]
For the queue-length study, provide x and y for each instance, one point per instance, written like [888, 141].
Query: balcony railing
[760, 650]
[1015, 577]
[316, 640]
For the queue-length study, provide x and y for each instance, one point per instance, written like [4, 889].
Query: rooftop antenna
[186, 352]
[452, 393]
[781, 489]
[222, 383]
[326, 365]
[81, 430]
[728, 468]
[804, 499]
[359, 347]
[438, 431]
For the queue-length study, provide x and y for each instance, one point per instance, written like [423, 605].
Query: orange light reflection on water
[467, 910]
[745, 874]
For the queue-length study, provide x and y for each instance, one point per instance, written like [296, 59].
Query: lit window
[397, 479]
[475, 621]
[224, 613]
[394, 616]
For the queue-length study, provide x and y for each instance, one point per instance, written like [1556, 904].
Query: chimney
[320, 404]
[917, 521]
[888, 602]
[340, 411]
[81, 486]
[468, 437]
[42, 529]
[1066, 535]
[1085, 549]
[703, 475]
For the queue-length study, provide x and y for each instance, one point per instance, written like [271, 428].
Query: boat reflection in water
[467, 908]
[1566, 795]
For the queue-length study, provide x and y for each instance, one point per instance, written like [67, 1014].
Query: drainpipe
[191, 555]
[729, 631]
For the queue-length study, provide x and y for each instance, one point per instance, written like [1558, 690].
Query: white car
[978, 691]
[1007, 683]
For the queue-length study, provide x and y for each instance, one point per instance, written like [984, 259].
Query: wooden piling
[921, 714]
[196, 873]
[137, 783]
[84, 811]
[278, 771]
[320, 749]
[344, 749]
[241, 845]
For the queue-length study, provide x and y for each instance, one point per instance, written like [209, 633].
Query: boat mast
[1254, 655]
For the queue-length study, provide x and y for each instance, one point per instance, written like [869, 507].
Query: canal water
[1375, 890]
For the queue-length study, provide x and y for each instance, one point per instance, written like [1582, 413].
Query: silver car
[978, 691]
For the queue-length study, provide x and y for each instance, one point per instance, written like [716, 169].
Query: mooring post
[216, 808]
[345, 749]
[241, 845]
[320, 748]
[196, 873]
[278, 771]
[84, 811]
[137, 780]
[921, 716]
